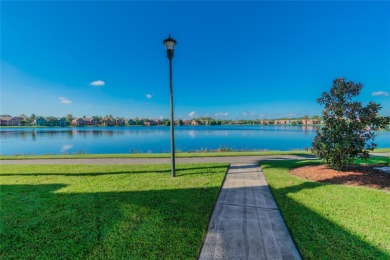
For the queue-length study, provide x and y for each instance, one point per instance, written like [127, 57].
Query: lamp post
[170, 45]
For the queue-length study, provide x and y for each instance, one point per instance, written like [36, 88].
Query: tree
[32, 117]
[348, 125]
[69, 118]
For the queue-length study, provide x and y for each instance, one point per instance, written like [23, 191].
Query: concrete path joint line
[249, 229]
[238, 205]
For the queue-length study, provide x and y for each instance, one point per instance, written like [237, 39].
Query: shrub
[348, 125]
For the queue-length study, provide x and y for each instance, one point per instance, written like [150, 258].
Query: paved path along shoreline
[246, 222]
[233, 159]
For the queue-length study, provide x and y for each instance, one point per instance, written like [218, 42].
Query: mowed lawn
[106, 211]
[330, 221]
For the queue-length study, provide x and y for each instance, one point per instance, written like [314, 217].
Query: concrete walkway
[246, 223]
[236, 159]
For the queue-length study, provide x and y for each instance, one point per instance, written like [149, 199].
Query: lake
[101, 140]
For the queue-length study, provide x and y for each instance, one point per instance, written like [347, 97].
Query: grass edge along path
[106, 211]
[330, 221]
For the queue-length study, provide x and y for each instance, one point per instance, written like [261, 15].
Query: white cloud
[193, 114]
[98, 83]
[65, 101]
[380, 93]
[161, 117]
[245, 114]
[148, 96]
[222, 114]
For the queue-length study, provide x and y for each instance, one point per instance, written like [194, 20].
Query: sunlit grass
[331, 221]
[106, 211]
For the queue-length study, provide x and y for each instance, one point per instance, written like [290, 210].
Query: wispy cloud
[380, 93]
[193, 114]
[98, 83]
[222, 114]
[149, 96]
[65, 101]
[245, 113]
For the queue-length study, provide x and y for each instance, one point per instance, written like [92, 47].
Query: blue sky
[232, 60]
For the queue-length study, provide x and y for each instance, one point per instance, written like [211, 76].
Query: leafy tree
[348, 125]
[98, 119]
[69, 118]
[180, 122]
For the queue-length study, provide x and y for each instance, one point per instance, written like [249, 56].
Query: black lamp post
[170, 45]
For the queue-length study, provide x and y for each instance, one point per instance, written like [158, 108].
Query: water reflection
[192, 134]
[65, 148]
[157, 139]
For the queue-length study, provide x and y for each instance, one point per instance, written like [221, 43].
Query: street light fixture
[170, 45]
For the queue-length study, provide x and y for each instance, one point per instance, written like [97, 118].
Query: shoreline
[376, 152]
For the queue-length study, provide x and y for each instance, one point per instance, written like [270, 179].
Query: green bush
[348, 125]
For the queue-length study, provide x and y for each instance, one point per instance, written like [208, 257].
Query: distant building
[149, 122]
[77, 122]
[129, 121]
[108, 122]
[9, 121]
[40, 121]
[90, 121]
[62, 121]
[119, 121]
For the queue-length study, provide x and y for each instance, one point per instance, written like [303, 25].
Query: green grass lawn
[331, 221]
[106, 211]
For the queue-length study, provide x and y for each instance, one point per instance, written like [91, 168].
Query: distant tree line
[108, 120]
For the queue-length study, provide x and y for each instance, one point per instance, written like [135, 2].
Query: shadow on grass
[315, 235]
[179, 172]
[38, 223]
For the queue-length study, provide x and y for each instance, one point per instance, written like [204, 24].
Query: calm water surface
[157, 139]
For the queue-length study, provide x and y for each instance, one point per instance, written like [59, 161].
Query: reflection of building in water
[218, 133]
[66, 148]
[307, 127]
[191, 133]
